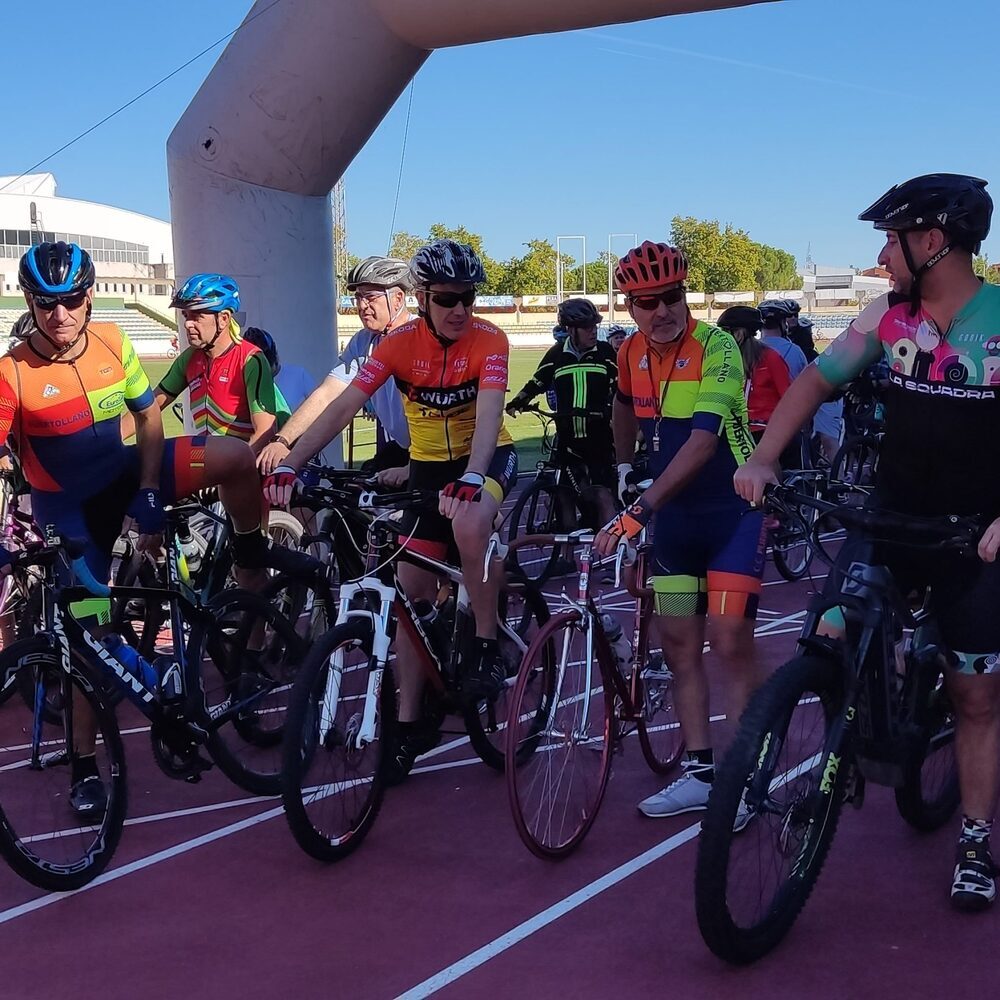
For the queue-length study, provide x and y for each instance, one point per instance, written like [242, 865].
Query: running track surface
[209, 897]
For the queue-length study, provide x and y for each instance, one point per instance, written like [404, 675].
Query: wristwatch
[281, 439]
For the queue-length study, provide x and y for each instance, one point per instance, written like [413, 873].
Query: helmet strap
[917, 273]
[218, 333]
[60, 349]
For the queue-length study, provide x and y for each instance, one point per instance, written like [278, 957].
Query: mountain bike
[845, 710]
[220, 687]
[558, 499]
[342, 712]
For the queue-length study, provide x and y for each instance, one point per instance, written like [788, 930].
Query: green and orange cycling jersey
[225, 391]
[440, 381]
[65, 416]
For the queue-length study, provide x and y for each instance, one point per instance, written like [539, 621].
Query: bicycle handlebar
[947, 531]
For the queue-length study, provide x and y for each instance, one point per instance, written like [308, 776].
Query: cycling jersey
[581, 381]
[766, 384]
[66, 415]
[696, 383]
[440, 382]
[942, 401]
[225, 391]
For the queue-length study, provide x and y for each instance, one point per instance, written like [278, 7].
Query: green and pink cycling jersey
[941, 450]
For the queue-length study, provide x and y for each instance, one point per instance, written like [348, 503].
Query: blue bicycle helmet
[208, 293]
[54, 270]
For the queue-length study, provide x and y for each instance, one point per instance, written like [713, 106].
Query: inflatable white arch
[292, 99]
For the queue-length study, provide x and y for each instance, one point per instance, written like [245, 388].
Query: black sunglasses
[651, 302]
[49, 302]
[448, 300]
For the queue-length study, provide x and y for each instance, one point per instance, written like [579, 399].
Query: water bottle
[168, 670]
[618, 641]
[131, 660]
[189, 547]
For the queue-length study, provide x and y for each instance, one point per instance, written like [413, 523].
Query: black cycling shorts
[430, 526]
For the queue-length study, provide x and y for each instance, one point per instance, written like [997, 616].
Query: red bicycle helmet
[650, 266]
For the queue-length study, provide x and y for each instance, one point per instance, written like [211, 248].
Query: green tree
[776, 269]
[597, 276]
[405, 245]
[495, 271]
[534, 273]
[981, 265]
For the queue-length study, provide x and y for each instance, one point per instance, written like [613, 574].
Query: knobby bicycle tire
[806, 824]
[40, 838]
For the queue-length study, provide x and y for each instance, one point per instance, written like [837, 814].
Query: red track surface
[220, 902]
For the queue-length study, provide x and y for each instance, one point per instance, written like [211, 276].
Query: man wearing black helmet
[583, 374]
[379, 285]
[939, 331]
[451, 369]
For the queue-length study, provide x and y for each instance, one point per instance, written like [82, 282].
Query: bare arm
[264, 425]
[129, 422]
[274, 454]
[149, 440]
[625, 428]
[489, 417]
[330, 422]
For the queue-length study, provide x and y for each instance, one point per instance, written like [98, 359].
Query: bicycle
[222, 688]
[791, 535]
[838, 714]
[556, 500]
[571, 717]
[342, 711]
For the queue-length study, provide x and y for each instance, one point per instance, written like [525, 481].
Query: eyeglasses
[369, 296]
[651, 302]
[48, 302]
[448, 300]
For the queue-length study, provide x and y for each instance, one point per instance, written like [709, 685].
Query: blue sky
[786, 119]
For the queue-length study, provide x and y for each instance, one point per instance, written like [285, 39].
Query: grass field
[526, 429]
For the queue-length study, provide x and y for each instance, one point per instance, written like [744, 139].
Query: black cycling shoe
[255, 550]
[415, 739]
[973, 886]
[487, 677]
[89, 798]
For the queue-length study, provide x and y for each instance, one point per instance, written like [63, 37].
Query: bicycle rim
[559, 751]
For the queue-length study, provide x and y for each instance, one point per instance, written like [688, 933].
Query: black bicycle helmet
[446, 262]
[24, 327]
[740, 318]
[264, 342]
[383, 272]
[55, 270]
[954, 203]
[773, 312]
[574, 313]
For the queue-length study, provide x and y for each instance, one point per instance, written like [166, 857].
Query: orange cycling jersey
[440, 381]
[66, 415]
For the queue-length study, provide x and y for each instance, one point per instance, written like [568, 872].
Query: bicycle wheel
[855, 464]
[136, 619]
[536, 513]
[659, 728]
[332, 783]
[791, 540]
[930, 793]
[284, 529]
[559, 751]
[750, 886]
[520, 614]
[253, 656]
[41, 837]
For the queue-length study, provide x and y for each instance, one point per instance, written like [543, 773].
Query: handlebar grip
[83, 574]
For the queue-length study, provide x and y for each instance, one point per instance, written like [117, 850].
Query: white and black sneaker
[973, 886]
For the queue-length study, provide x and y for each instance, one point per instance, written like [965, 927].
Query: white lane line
[775, 583]
[168, 853]
[548, 916]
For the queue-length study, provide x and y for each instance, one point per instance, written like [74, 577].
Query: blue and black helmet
[264, 342]
[208, 293]
[56, 270]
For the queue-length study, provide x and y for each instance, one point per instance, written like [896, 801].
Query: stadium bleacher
[149, 337]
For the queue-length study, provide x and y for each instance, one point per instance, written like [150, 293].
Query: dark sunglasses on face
[650, 302]
[49, 302]
[448, 300]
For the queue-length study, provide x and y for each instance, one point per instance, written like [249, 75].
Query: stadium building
[132, 253]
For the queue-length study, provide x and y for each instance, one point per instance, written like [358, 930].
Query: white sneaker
[687, 794]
